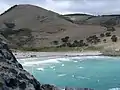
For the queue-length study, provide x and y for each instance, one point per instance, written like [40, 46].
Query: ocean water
[97, 72]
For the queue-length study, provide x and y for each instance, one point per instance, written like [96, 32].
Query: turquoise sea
[97, 72]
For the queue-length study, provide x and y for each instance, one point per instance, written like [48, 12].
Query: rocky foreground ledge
[14, 77]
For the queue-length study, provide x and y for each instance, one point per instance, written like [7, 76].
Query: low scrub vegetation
[94, 48]
[104, 40]
[93, 39]
[108, 34]
[51, 49]
[55, 42]
[102, 35]
[60, 49]
[114, 38]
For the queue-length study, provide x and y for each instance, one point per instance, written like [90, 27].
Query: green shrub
[50, 49]
[65, 40]
[104, 40]
[108, 34]
[114, 38]
[55, 42]
[102, 35]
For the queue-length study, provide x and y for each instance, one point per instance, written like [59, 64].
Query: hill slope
[42, 26]
[93, 20]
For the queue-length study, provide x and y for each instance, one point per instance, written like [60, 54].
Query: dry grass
[47, 26]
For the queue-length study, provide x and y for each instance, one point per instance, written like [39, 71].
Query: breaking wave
[114, 89]
[40, 69]
[45, 60]
[61, 75]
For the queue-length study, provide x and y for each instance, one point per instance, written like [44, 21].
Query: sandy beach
[20, 55]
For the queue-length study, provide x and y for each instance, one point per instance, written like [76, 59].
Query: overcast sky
[69, 6]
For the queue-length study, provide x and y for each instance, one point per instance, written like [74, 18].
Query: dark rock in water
[14, 77]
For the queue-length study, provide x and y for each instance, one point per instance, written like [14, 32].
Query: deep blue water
[97, 72]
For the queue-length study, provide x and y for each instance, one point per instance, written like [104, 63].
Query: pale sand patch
[20, 54]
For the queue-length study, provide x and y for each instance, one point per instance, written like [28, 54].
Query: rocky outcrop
[14, 77]
[12, 74]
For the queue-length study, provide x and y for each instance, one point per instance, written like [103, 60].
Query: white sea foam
[80, 58]
[61, 75]
[63, 59]
[40, 69]
[37, 61]
[52, 67]
[47, 60]
[98, 81]
[28, 59]
[114, 89]
[80, 67]
[77, 58]
[62, 65]
[88, 57]
[30, 63]
[81, 77]
[73, 75]
[75, 61]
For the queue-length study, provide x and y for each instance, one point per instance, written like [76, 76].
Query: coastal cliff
[14, 77]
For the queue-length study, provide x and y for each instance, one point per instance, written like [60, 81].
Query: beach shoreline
[28, 54]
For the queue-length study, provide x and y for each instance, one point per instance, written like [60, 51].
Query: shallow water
[97, 72]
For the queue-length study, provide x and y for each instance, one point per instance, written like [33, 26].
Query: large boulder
[14, 77]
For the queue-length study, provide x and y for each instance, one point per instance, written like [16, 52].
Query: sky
[95, 7]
